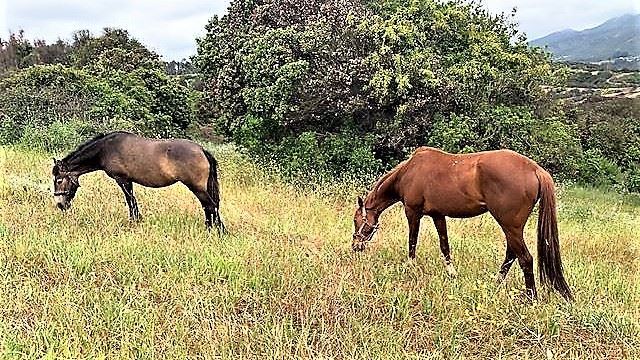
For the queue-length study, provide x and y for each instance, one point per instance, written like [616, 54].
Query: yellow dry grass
[285, 283]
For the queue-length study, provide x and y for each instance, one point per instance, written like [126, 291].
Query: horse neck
[384, 193]
[84, 160]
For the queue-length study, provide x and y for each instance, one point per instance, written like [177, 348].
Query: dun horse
[504, 183]
[129, 159]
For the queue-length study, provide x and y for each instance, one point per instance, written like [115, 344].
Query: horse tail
[549, 262]
[213, 188]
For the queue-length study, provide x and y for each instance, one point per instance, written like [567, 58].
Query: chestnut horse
[128, 159]
[504, 183]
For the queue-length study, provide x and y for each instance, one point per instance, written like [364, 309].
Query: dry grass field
[285, 284]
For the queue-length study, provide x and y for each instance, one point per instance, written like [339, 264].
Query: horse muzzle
[358, 245]
[62, 203]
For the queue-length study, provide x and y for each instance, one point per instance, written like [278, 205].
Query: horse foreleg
[132, 203]
[413, 218]
[441, 226]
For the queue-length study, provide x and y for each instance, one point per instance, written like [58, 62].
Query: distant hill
[617, 38]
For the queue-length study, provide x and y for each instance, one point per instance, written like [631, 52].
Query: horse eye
[58, 181]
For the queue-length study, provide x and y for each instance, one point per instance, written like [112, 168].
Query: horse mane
[400, 166]
[386, 176]
[85, 147]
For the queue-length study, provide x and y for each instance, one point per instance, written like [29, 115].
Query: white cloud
[3, 18]
[170, 27]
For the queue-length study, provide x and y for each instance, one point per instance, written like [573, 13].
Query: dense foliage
[609, 133]
[333, 89]
[104, 83]
[325, 85]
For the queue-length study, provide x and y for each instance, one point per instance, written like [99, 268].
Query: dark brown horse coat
[128, 159]
[504, 183]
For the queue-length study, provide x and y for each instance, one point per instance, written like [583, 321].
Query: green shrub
[34, 98]
[56, 135]
[286, 78]
[308, 157]
[595, 169]
[54, 98]
[632, 179]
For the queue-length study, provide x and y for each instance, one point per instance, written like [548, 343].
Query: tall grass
[285, 283]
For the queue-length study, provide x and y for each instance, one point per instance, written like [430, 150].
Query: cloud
[3, 17]
[168, 27]
[171, 27]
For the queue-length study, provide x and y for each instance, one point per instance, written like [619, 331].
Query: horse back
[465, 185]
[156, 162]
[507, 173]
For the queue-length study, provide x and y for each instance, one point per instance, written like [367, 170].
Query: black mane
[84, 150]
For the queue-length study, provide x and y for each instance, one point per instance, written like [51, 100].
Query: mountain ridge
[618, 37]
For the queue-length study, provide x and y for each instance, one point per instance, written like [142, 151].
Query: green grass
[285, 283]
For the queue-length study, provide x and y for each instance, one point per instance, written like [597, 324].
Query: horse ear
[56, 168]
[360, 202]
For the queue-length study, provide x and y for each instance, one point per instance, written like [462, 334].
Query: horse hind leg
[512, 215]
[207, 206]
[515, 241]
[441, 226]
[211, 213]
[509, 258]
[214, 195]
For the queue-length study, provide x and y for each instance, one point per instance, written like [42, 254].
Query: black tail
[549, 262]
[213, 189]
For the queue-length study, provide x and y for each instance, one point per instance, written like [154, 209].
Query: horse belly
[155, 181]
[466, 212]
[154, 173]
[461, 211]
[456, 205]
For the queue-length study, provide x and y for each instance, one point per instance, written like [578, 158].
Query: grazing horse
[504, 183]
[128, 159]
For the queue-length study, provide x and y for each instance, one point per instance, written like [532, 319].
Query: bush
[632, 179]
[115, 84]
[56, 135]
[595, 169]
[609, 131]
[35, 98]
[51, 98]
[387, 76]
[309, 157]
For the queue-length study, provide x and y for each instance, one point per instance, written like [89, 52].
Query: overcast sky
[170, 27]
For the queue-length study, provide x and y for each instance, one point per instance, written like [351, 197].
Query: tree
[387, 76]
[115, 49]
[127, 65]
[114, 82]
[19, 53]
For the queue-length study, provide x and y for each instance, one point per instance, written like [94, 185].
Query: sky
[170, 27]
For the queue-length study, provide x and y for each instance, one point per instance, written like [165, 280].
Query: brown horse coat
[128, 159]
[438, 184]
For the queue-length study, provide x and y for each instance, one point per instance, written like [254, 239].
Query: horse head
[365, 222]
[65, 185]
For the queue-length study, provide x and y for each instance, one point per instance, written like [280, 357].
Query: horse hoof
[452, 271]
[357, 247]
[500, 278]
[528, 297]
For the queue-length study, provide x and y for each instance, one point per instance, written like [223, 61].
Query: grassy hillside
[285, 283]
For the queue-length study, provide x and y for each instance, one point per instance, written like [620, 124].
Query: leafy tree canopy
[386, 75]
